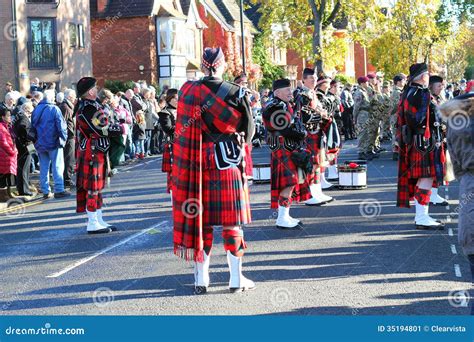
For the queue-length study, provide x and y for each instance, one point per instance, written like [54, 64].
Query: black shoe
[62, 194]
[99, 231]
[422, 227]
[112, 228]
[47, 196]
[199, 290]
[29, 194]
[442, 204]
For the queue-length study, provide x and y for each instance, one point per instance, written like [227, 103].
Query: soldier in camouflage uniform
[361, 117]
[399, 82]
[375, 114]
[386, 111]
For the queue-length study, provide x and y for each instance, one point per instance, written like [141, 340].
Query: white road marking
[105, 250]
[453, 249]
[457, 270]
[450, 232]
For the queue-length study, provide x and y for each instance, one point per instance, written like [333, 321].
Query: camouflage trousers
[386, 132]
[363, 132]
[393, 131]
[374, 132]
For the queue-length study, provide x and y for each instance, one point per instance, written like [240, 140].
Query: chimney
[101, 5]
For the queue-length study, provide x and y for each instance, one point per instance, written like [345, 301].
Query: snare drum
[352, 178]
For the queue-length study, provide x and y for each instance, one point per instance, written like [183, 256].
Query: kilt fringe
[188, 254]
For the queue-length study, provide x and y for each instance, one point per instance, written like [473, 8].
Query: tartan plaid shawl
[405, 189]
[187, 175]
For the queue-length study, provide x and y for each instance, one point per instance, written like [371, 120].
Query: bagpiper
[417, 140]
[329, 135]
[92, 167]
[309, 110]
[167, 120]
[286, 135]
[436, 87]
[334, 97]
[214, 122]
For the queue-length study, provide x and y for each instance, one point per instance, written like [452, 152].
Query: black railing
[41, 1]
[55, 2]
[45, 55]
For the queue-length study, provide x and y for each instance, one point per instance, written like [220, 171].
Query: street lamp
[242, 33]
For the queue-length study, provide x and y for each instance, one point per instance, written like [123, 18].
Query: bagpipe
[310, 116]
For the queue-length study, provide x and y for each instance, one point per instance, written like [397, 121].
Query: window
[173, 35]
[80, 34]
[170, 36]
[42, 30]
[72, 35]
[163, 36]
[191, 43]
[44, 52]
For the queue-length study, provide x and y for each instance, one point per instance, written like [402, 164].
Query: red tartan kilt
[166, 161]
[90, 177]
[225, 198]
[312, 141]
[284, 175]
[421, 164]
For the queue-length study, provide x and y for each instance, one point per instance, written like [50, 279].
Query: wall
[120, 46]
[7, 70]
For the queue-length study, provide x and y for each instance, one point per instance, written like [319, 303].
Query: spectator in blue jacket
[51, 134]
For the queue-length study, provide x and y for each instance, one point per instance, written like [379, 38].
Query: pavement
[359, 255]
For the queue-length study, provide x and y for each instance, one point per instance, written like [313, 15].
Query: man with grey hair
[51, 136]
[137, 99]
[10, 100]
[37, 97]
[59, 98]
[67, 109]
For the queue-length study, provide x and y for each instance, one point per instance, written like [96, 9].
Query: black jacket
[67, 109]
[167, 119]
[21, 128]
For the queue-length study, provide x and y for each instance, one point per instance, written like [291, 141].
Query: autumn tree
[435, 32]
[311, 24]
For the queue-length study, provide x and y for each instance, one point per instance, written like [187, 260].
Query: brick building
[158, 41]
[47, 39]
